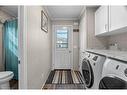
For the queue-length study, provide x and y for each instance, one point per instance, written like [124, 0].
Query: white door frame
[22, 40]
[53, 45]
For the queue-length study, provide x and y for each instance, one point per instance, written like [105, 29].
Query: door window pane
[62, 38]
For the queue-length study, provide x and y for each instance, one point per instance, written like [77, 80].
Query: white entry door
[63, 47]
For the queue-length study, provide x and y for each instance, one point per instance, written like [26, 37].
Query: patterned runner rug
[64, 77]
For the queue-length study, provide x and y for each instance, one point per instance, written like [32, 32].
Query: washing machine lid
[5, 74]
[112, 82]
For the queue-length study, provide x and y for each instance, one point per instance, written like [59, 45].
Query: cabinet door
[101, 20]
[117, 17]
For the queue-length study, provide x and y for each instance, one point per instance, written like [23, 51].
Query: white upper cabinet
[101, 20]
[110, 20]
[117, 17]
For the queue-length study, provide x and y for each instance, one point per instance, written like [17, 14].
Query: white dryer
[92, 70]
[97, 62]
[114, 74]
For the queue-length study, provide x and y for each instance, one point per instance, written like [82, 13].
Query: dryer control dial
[125, 72]
[95, 58]
[89, 55]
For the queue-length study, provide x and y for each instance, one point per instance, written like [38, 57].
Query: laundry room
[63, 47]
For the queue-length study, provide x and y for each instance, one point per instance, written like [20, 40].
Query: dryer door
[112, 82]
[87, 73]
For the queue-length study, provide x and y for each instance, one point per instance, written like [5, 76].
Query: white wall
[82, 33]
[82, 37]
[120, 39]
[38, 49]
[76, 50]
[62, 22]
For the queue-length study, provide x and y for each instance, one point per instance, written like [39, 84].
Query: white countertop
[121, 55]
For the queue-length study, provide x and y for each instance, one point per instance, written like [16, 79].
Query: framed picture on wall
[44, 21]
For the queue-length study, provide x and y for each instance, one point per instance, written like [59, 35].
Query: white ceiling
[64, 12]
[11, 10]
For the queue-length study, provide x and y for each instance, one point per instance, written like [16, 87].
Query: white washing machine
[114, 75]
[92, 70]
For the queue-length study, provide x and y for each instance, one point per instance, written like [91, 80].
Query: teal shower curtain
[11, 47]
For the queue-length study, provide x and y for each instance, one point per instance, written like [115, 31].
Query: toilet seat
[5, 74]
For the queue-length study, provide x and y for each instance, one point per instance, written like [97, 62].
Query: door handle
[19, 62]
[69, 51]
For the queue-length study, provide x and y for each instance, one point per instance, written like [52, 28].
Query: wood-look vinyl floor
[64, 79]
[13, 84]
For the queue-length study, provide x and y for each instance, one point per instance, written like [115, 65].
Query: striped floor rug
[64, 77]
[64, 86]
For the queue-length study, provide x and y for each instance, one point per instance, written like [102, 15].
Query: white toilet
[5, 77]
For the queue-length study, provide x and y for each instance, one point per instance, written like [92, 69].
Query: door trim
[22, 40]
[53, 46]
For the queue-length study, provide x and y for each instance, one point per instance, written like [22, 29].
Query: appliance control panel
[95, 58]
[125, 72]
[89, 55]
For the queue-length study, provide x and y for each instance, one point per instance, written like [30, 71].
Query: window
[62, 38]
